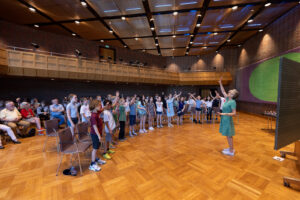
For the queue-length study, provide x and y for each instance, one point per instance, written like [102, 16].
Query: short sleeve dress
[226, 125]
[171, 107]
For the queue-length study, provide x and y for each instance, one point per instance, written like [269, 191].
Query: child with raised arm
[96, 134]
[199, 103]
[226, 125]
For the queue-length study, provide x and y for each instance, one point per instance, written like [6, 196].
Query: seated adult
[56, 111]
[10, 133]
[43, 111]
[28, 116]
[12, 117]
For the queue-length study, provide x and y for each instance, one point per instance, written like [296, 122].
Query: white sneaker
[171, 125]
[225, 150]
[130, 135]
[158, 126]
[95, 168]
[134, 133]
[141, 131]
[161, 126]
[145, 131]
[228, 153]
[101, 162]
[151, 128]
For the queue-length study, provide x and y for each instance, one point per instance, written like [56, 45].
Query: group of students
[114, 112]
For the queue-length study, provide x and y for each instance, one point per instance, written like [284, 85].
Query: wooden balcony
[29, 64]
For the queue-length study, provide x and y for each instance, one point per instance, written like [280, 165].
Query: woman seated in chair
[28, 115]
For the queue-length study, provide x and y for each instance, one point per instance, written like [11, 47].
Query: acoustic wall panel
[288, 103]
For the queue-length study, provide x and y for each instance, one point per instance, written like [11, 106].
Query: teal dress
[226, 125]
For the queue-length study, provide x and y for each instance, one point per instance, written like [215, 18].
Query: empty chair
[83, 132]
[68, 145]
[51, 127]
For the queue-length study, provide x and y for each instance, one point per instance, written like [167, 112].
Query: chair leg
[79, 163]
[61, 156]
[57, 144]
[44, 149]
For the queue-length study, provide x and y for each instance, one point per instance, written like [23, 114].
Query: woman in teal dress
[226, 125]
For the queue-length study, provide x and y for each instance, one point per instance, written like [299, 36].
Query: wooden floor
[171, 163]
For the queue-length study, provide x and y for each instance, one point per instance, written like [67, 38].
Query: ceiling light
[110, 11]
[131, 9]
[77, 22]
[36, 26]
[250, 20]
[32, 9]
[215, 33]
[228, 40]
[175, 13]
[187, 53]
[136, 38]
[198, 25]
[125, 46]
[192, 35]
[162, 5]
[173, 49]
[156, 44]
[73, 34]
[191, 42]
[159, 54]
[239, 45]
[152, 28]
[123, 18]
[174, 36]
[156, 38]
[260, 30]
[204, 47]
[83, 3]
[187, 47]
[217, 51]
[110, 31]
[101, 40]
[144, 50]
[151, 19]
[188, 3]
[234, 7]
[267, 4]
[199, 15]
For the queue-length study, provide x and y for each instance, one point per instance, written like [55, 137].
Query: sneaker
[141, 131]
[106, 156]
[110, 151]
[95, 168]
[16, 142]
[145, 131]
[134, 133]
[161, 126]
[228, 153]
[227, 149]
[151, 128]
[130, 135]
[101, 162]
[158, 126]
[2, 147]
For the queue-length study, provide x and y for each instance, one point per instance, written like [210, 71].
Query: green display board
[263, 82]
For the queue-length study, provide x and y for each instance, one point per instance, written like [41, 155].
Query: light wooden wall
[29, 64]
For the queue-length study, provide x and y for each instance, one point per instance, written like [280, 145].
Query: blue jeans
[61, 118]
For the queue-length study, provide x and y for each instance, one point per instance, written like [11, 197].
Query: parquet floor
[171, 163]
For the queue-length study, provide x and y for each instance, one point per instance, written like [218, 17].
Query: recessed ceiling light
[77, 22]
[152, 28]
[32, 9]
[173, 49]
[204, 47]
[215, 33]
[125, 46]
[175, 13]
[73, 34]
[250, 20]
[36, 26]
[199, 15]
[136, 38]
[234, 7]
[267, 4]
[156, 38]
[192, 35]
[123, 18]
[187, 53]
[198, 25]
[144, 50]
[110, 31]
[191, 42]
[156, 44]
[239, 45]
[217, 51]
[187, 47]
[174, 36]
[260, 30]
[101, 40]
[83, 3]
[52, 79]
[228, 40]
[151, 19]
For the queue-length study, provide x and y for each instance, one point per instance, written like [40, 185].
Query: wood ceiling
[159, 27]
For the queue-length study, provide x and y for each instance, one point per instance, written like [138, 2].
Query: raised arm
[191, 95]
[222, 88]
[177, 95]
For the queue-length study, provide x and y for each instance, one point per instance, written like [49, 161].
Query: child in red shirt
[28, 115]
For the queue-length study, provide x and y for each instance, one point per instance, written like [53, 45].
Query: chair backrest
[82, 129]
[65, 139]
[51, 125]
